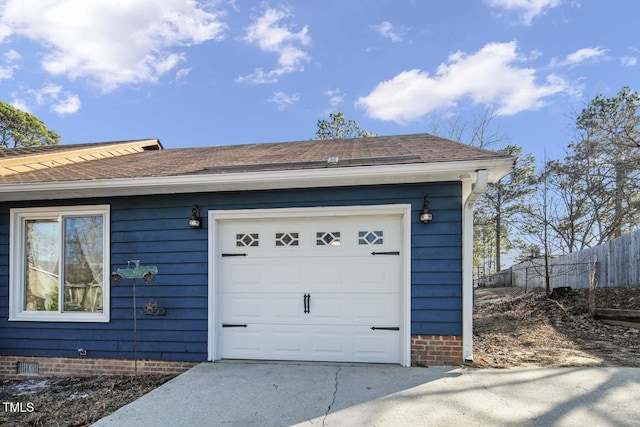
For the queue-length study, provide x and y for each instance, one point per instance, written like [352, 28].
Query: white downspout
[474, 192]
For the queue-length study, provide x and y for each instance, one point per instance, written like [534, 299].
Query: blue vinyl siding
[154, 230]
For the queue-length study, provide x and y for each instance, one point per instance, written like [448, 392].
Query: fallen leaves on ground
[70, 401]
[535, 330]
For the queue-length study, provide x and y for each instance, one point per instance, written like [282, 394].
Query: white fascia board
[271, 180]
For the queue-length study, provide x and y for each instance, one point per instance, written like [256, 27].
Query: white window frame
[17, 261]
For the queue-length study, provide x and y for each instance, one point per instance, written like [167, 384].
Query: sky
[218, 72]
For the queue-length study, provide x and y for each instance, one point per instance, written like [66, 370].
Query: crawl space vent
[28, 368]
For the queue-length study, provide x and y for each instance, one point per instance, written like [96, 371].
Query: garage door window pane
[247, 239]
[328, 238]
[370, 237]
[287, 239]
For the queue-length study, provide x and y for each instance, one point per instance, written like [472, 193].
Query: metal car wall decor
[134, 271]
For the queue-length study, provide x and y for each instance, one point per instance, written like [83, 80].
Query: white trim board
[216, 217]
[306, 178]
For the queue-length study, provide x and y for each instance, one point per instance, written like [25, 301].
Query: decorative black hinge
[386, 253]
[231, 325]
[385, 328]
[225, 255]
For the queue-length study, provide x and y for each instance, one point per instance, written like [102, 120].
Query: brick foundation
[62, 366]
[436, 350]
[425, 350]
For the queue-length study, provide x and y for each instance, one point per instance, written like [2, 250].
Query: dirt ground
[69, 401]
[534, 330]
[511, 329]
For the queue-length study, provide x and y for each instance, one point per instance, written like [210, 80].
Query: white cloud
[59, 100]
[271, 36]
[8, 67]
[490, 76]
[628, 61]
[580, 56]
[584, 55]
[182, 73]
[70, 104]
[385, 29]
[6, 72]
[110, 43]
[259, 76]
[529, 8]
[20, 104]
[282, 100]
[12, 56]
[335, 96]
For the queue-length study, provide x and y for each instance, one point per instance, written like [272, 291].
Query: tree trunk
[618, 214]
[498, 239]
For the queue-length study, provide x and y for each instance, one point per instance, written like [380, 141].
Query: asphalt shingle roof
[312, 154]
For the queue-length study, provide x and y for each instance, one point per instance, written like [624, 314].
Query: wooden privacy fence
[616, 263]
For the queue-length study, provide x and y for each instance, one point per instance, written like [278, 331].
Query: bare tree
[596, 184]
[481, 131]
[505, 202]
[500, 208]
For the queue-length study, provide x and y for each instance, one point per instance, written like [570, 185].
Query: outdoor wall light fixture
[425, 215]
[195, 221]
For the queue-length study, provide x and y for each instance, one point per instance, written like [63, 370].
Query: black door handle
[305, 301]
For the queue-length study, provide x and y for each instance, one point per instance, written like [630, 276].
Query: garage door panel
[289, 343]
[282, 272]
[247, 344]
[327, 309]
[329, 259]
[354, 274]
[265, 275]
[375, 275]
[238, 273]
[326, 344]
[262, 308]
[285, 308]
[243, 308]
[327, 274]
[344, 309]
[263, 342]
[308, 342]
[377, 346]
[353, 309]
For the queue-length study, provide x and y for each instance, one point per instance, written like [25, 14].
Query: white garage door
[321, 289]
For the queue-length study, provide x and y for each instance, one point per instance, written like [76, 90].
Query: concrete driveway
[314, 394]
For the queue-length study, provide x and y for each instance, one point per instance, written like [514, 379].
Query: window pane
[83, 258]
[42, 243]
[287, 239]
